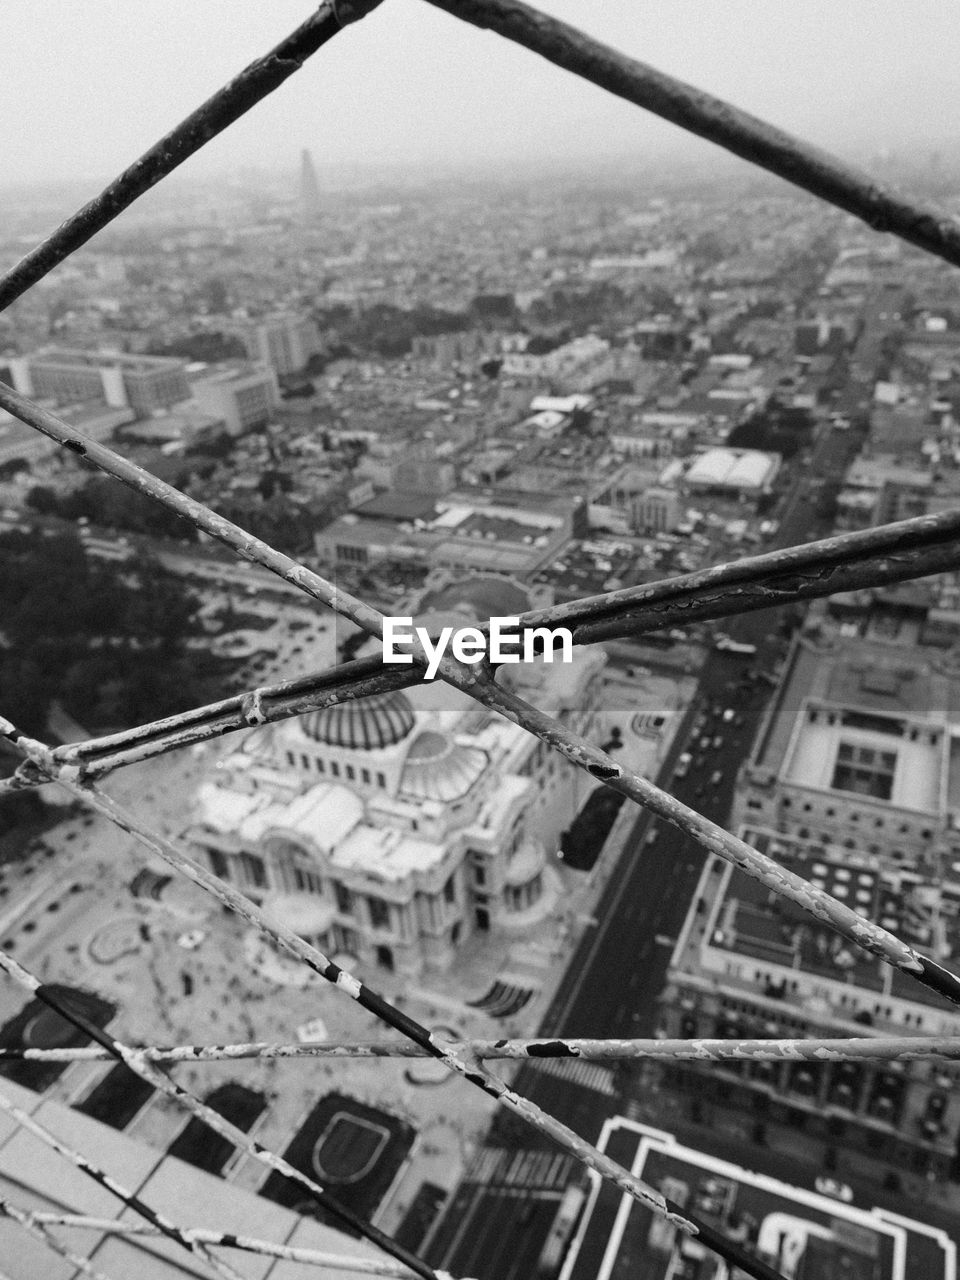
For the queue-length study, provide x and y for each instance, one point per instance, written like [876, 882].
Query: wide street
[613, 982]
[619, 967]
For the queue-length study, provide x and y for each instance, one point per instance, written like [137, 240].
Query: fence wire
[888, 554]
[224, 1239]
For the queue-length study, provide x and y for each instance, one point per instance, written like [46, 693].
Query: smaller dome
[363, 724]
[438, 768]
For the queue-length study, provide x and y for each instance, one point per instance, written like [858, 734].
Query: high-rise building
[241, 394]
[284, 341]
[309, 188]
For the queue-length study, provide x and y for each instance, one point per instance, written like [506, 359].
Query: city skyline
[855, 79]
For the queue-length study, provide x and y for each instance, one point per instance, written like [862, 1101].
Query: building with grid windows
[241, 395]
[142, 383]
[748, 964]
[285, 342]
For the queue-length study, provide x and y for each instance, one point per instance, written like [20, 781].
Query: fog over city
[87, 86]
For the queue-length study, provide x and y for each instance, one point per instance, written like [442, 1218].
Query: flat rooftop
[619, 1239]
[872, 696]
[63, 358]
[747, 469]
[751, 920]
[883, 762]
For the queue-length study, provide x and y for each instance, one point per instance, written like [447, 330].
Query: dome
[437, 768]
[363, 724]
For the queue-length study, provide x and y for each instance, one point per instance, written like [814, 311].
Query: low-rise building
[744, 472]
[467, 536]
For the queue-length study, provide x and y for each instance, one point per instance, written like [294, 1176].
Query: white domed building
[394, 827]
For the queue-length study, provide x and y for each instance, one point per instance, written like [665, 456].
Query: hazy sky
[88, 84]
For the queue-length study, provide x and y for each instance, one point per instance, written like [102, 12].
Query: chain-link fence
[873, 557]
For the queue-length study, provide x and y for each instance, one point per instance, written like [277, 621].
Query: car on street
[716, 777]
[836, 1190]
[728, 715]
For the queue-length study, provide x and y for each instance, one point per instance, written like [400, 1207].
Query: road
[619, 967]
[613, 982]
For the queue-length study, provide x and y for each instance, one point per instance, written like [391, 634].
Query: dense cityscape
[464, 399]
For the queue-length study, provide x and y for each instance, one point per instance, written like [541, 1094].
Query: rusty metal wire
[147, 1070]
[129, 1198]
[893, 553]
[817, 1049]
[223, 1239]
[285, 939]
[480, 685]
[38, 1229]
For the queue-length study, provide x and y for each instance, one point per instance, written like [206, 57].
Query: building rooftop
[324, 814]
[399, 506]
[36, 1177]
[439, 768]
[750, 920]
[733, 469]
[364, 724]
[618, 1238]
[132, 363]
[228, 371]
[841, 698]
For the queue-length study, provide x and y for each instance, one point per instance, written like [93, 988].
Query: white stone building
[394, 827]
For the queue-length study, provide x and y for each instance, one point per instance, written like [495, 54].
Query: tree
[81, 632]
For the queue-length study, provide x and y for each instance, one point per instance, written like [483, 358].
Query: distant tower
[309, 189]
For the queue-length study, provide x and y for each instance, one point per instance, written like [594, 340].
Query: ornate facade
[394, 827]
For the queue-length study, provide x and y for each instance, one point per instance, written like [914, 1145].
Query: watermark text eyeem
[505, 643]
